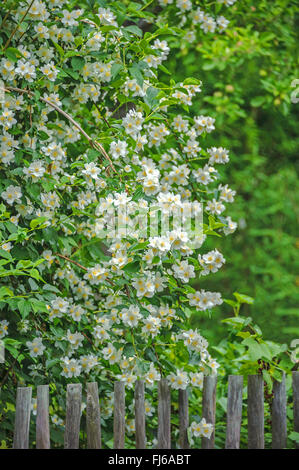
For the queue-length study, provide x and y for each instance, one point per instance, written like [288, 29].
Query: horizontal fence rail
[255, 414]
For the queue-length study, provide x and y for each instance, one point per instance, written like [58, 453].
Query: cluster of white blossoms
[201, 429]
[104, 176]
[204, 300]
[211, 262]
[192, 17]
[181, 379]
[36, 347]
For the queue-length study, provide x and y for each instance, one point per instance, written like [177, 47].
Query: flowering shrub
[95, 133]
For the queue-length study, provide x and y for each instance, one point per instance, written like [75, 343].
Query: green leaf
[5, 292]
[257, 101]
[151, 97]
[294, 436]
[13, 54]
[135, 30]
[59, 48]
[129, 350]
[243, 299]
[24, 307]
[115, 69]
[77, 63]
[268, 379]
[136, 73]
[38, 305]
[132, 267]
[254, 349]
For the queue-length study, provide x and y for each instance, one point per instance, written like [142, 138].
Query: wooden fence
[255, 414]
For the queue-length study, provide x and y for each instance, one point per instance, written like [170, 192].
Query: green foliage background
[247, 73]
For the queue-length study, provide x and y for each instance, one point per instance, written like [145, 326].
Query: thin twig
[103, 117]
[71, 261]
[88, 339]
[93, 143]
[4, 19]
[78, 264]
[17, 27]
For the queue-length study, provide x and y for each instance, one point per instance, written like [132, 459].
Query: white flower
[231, 226]
[50, 71]
[226, 194]
[128, 378]
[204, 300]
[50, 200]
[218, 155]
[6, 246]
[151, 326]
[222, 23]
[183, 271]
[202, 429]
[131, 315]
[75, 339]
[106, 16]
[118, 149]
[36, 347]
[100, 333]
[132, 123]
[70, 367]
[152, 375]
[12, 194]
[35, 169]
[25, 70]
[196, 379]
[3, 328]
[90, 169]
[88, 362]
[178, 381]
[7, 119]
[215, 207]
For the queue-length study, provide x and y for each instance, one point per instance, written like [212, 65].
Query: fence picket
[73, 416]
[119, 415]
[164, 437]
[209, 408]
[295, 377]
[42, 418]
[279, 415]
[255, 412]
[22, 418]
[234, 411]
[184, 419]
[93, 417]
[140, 415]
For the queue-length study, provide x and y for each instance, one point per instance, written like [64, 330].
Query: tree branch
[71, 261]
[17, 27]
[96, 145]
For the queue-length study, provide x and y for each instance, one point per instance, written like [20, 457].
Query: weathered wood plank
[93, 417]
[209, 408]
[183, 419]
[255, 412]
[119, 415]
[22, 418]
[140, 435]
[42, 418]
[73, 416]
[164, 436]
[279, 415]
[295, 377]
[234, 411]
